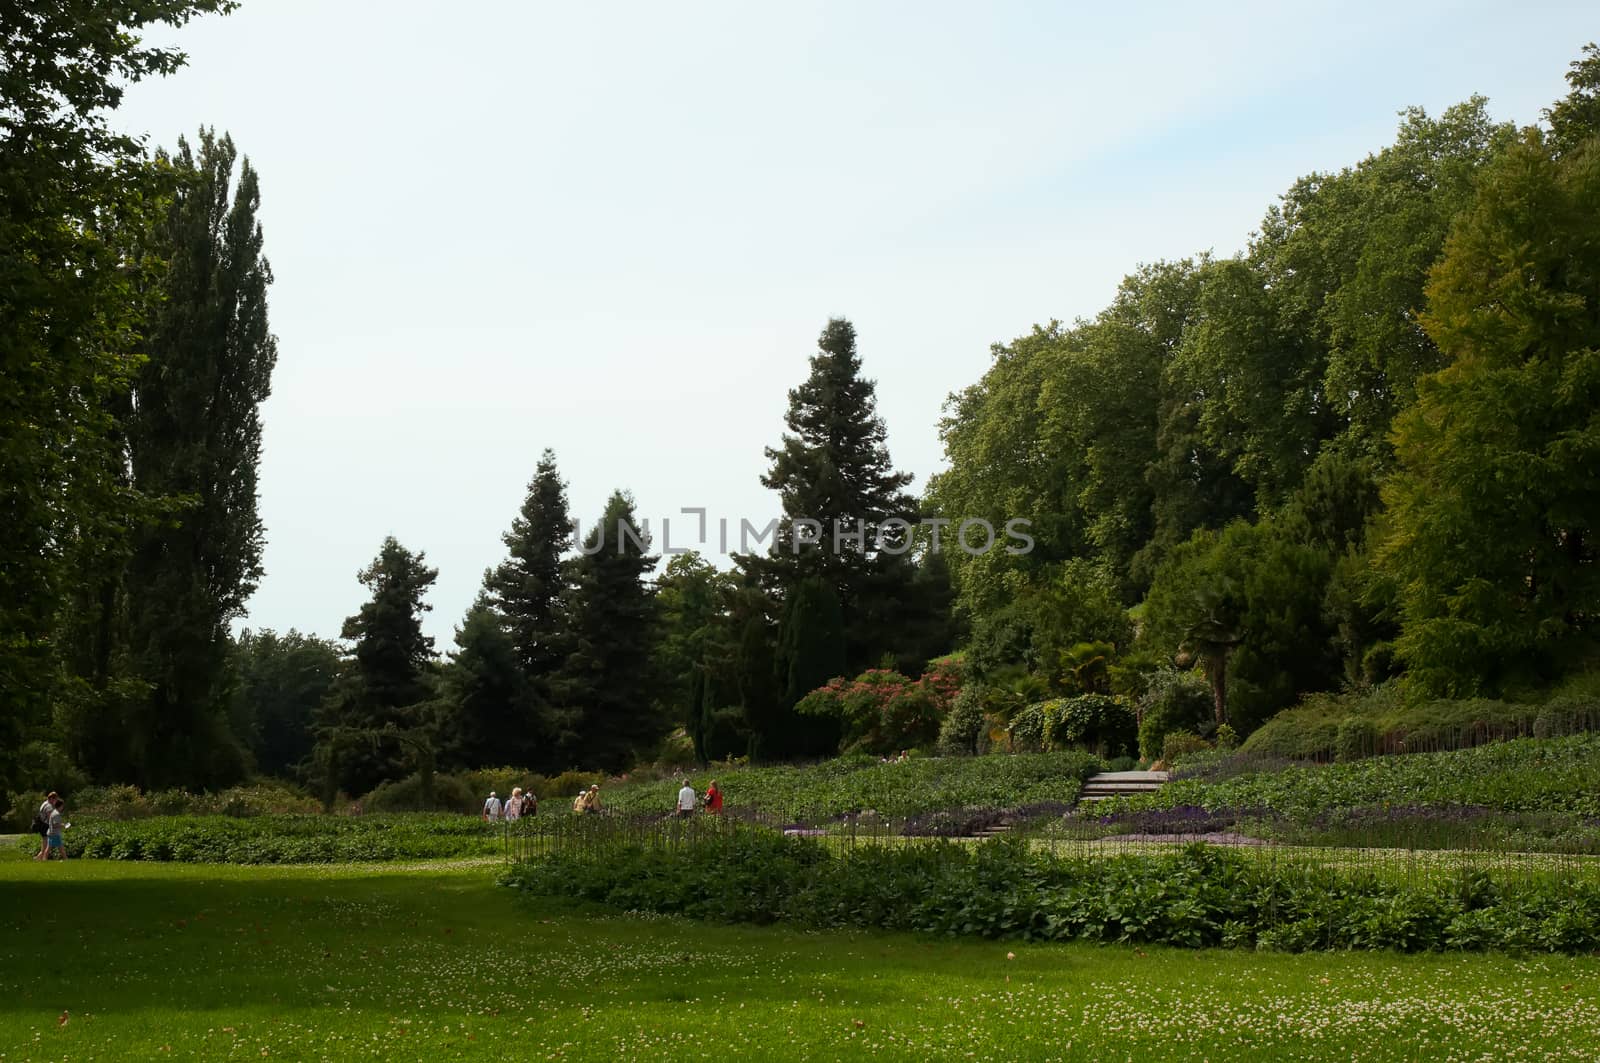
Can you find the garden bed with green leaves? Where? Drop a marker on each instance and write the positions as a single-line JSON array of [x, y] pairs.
[[282, 839], [1199, 896]]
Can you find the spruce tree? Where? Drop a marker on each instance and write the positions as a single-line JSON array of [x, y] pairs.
[[487, 693], [529, 588], [608, 677], [833, 468], [385, 688]]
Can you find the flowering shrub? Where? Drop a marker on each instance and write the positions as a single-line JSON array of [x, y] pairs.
[[883, 711]]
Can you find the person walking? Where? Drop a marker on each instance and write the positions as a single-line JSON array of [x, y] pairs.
[[713, 799], [591, 799], [514, 805], [530, 803], [41, 824], [53, 847], [686, 800], [491, 809]]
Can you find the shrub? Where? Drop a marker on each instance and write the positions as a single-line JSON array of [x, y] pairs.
[[1196, 897], [1180, 744], [1095, 722], [1356, 737], [1227, 738], [1172, 701], [962, 729], [880, 711], [451, 793]]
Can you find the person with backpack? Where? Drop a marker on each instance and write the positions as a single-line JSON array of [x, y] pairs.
[[41, 824]]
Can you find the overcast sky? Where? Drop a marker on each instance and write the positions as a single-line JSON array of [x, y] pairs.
[[616, 229]]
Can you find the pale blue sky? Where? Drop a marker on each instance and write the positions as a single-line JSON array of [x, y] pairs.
[[616, 229]]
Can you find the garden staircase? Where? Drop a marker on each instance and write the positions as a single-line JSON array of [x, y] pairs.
[[1110, 784]]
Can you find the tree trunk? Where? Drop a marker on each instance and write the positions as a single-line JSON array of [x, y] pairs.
[[1217, 672]]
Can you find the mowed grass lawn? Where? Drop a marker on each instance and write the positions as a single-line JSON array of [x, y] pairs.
[[117, 961]]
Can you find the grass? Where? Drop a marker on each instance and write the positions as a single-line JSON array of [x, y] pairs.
[[432, 961]]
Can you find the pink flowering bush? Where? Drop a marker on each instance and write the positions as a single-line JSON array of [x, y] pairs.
[[883, 711]]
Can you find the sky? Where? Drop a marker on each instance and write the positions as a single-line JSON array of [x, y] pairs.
[[616, 229]]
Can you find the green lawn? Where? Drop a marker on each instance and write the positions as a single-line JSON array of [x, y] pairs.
[[433, 961]]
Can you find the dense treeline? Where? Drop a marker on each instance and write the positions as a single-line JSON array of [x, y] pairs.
[[1360, 450]]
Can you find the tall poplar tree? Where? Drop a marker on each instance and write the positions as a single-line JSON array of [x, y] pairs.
[[67, 343], [194, 435]]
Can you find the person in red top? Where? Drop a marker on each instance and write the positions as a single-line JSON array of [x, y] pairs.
[[713, 798]]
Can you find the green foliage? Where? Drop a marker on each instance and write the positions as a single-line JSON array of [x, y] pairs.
[[833, 468], [1526, 775], [528, 593], [853, 784], [278, 839], [609, 675], [1097, 723], [963, 732], [1491, 535], [1196, 898], [1389, 724], [492, 715], [282, 680], [1173, 701], [375, 719], [74, 279], [1178, 746]]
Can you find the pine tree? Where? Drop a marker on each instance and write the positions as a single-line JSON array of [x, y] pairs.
[[283, 680], [382, 695], [608, 676]]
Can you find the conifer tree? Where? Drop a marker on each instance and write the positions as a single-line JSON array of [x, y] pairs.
[[833, 468], [485, 687], [608, 677], [529, 588], [385, 690]]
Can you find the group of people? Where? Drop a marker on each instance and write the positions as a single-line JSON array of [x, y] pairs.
[[689, 800], [520, 803], [524, 803], [48, 823]]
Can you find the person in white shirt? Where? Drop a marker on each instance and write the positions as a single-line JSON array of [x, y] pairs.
[[686, 799], [491, 809]]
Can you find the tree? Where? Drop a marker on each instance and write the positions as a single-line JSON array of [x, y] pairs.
[[833, 468], [194, 435], [608, 677], [68, 346], [492, 720], [695, 645], [1491, 533], [385, 693], [529, 588], [282, 681], [1576, 118]]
